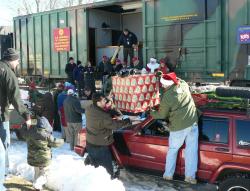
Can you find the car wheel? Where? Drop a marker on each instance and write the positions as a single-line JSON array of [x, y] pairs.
[[19, 135], [242, 92], [235, 184]]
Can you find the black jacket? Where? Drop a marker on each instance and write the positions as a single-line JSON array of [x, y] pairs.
[[10, 93], [127, 40], [72, 109], [69, 71]]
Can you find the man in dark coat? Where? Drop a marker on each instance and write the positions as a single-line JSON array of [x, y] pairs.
[[57, 122], [100, 126], [78, 75], [73, 114], [9, 94], [89, 76], [129, 41], [100, 67], [69, 70]]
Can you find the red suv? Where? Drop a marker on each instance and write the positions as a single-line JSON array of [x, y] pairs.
[[224, 148]]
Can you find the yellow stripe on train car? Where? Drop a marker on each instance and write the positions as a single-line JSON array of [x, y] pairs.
[[218, 74]]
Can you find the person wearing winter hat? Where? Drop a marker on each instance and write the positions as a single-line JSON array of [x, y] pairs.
[[9, 94], [136, 63], [73, 114], [118, 65], [39, 148], [69, 68], [152, 66], [177, 106]]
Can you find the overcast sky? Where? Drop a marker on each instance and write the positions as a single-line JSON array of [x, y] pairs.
[[6, 13]]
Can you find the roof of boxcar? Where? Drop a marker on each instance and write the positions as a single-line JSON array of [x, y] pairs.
[[89, 5]]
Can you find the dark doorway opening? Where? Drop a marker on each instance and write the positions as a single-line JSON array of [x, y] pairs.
[[92, 50]]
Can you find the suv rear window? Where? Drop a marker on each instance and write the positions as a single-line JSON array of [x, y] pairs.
[[243, 133], [213, 129]]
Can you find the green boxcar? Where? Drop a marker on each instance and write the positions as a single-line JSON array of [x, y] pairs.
[[199, 36]]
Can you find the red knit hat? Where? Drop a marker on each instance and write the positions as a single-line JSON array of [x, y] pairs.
[[169, 77], [118, 61], [32, 85], [134, 59], [162, 61]]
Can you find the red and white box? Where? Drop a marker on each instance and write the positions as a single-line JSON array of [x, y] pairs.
[[136, 93]]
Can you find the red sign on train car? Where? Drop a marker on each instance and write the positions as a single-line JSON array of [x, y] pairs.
[[61, 39]]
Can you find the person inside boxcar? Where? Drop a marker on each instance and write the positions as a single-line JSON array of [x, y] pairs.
[[69, 69], [129, 41]]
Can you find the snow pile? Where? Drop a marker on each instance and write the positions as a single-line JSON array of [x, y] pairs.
[[24, 94], [67, 171]]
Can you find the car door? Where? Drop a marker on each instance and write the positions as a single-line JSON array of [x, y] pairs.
[[215, 145], [149, 147], [241, 141]]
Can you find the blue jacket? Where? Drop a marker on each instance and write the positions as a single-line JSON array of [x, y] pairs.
[[78, 73], [60, 99]]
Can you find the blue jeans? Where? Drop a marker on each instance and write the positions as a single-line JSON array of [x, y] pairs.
[[176, 140], [4, 144]]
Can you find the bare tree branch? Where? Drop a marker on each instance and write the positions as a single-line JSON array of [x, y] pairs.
[[37, 5]]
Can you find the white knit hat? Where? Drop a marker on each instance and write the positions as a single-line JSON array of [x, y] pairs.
[[70, 92], [153, 60]]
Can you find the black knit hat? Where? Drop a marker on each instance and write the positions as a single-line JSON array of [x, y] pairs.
[[10, 54]]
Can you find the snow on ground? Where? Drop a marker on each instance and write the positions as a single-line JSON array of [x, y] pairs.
[[67, 171]]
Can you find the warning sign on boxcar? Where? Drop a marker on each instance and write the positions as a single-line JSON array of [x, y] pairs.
[[61, 39]]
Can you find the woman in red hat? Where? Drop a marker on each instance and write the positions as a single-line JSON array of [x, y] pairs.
[[163, 68]]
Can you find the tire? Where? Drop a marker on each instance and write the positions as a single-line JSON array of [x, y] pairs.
[[234, 183], [19, 135], [241, 92]]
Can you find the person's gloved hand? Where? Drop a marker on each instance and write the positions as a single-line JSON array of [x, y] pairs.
[[27, 118]]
